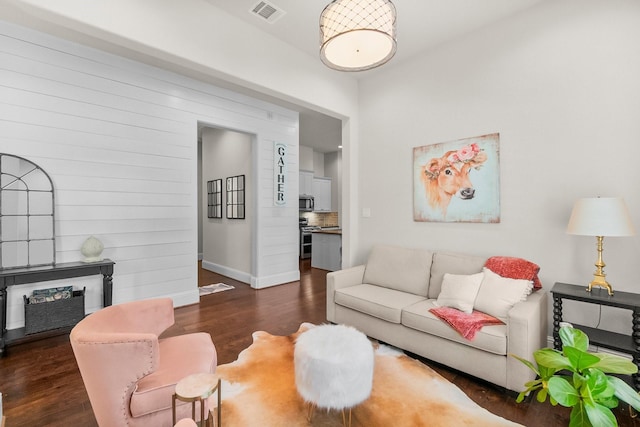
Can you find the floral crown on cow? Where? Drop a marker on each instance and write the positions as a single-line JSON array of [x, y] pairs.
[[471, 155], [464, 154]]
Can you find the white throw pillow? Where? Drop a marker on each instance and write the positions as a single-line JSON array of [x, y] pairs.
[[459, 291], [497, 294]]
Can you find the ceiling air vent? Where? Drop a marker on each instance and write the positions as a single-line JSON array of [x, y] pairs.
[[267, 11]]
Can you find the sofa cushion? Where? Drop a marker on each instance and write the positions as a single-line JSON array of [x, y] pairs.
[[459, 291], [377, 301], [490, 338], [453, 263], [497, 294], [398, 268]]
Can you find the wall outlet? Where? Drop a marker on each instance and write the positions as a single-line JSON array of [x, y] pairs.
[[366, 212]]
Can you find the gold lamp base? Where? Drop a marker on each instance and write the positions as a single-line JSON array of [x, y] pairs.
[[599, 276], [599, 281]]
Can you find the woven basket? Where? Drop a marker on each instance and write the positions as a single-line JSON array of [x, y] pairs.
[[53, 315]]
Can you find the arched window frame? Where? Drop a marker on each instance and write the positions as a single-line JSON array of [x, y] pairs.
[[27, 225]]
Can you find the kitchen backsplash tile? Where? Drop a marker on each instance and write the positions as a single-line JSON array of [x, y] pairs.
[[321, 219]]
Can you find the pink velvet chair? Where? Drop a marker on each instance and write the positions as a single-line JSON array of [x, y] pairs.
[[129, 373]]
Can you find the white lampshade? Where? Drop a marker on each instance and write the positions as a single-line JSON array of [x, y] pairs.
[[357, 35], [600, 216]]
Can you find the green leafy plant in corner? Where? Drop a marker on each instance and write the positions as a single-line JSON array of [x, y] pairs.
[[576, 378]]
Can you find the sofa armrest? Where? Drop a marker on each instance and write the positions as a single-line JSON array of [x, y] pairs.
[[526, 333], [341, 279]]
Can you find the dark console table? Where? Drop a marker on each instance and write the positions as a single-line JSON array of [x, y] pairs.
[[629, 344], [67, 270]]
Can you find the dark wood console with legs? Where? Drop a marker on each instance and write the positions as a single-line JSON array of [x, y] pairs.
[[22, 276], [629, 344]]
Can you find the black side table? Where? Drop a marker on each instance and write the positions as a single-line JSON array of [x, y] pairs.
[[21, 276], [629, 344]]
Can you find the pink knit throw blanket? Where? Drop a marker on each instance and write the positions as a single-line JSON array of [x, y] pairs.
[[466, 324]]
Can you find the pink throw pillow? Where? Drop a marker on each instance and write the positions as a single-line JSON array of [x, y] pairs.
[[515, 268]]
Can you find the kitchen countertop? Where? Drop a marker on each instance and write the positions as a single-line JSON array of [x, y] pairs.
[[329, 231]]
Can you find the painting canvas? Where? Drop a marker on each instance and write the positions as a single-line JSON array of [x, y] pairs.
[[457, 181]]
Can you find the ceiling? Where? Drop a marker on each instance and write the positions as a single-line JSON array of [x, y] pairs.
[[421, 25]]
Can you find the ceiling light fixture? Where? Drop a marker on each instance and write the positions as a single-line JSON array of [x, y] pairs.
[[357, 35]]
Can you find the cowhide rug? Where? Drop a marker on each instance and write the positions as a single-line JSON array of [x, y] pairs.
[[259, 389]]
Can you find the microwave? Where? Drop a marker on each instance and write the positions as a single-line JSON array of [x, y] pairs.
[[306, 203]]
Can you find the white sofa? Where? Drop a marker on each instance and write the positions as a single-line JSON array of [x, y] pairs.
[[389, 299]]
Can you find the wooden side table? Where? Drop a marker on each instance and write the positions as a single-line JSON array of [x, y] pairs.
[[197, 388], [629, 344]]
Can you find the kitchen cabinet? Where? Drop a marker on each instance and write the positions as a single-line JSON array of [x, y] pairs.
[[322, 194], [306, 182], [326, 250]]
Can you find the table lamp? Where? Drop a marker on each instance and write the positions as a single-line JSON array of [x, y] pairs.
[[600, 217]]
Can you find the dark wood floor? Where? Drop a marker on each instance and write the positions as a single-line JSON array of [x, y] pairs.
[[41, 384]]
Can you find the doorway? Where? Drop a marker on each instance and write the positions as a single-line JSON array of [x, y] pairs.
[[225, 242]]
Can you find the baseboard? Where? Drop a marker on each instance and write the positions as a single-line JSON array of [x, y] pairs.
[[253, 281], [192, 296], [274, 280], [238, 275]]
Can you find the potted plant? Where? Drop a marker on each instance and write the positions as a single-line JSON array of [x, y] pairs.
[[576, 378]]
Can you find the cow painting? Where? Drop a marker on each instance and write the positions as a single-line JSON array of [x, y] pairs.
[[457, 181], [448, 176]]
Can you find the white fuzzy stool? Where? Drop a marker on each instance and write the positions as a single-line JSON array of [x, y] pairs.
[[333, 367]]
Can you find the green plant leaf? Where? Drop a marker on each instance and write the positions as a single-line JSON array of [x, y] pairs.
[[563, 392], [613, 364], [526, 362], [580, 360], [578, 380], [610, 403], [542, 395], [598, 385], [545, 373], [534, 384], [551, 359], [579, 417], [600, 415], [574, 338], [624, 392]]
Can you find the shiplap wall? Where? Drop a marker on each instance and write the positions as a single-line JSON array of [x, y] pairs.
[[119, 140]]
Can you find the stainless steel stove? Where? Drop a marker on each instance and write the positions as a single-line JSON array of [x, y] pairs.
[[305, 237]]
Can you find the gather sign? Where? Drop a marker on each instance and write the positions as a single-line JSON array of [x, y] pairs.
[[279, 173]]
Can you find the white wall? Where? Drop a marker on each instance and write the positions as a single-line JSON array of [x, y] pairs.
[[318, 164], [227, 242], [560, 83], [306, 158], [119, 139]]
